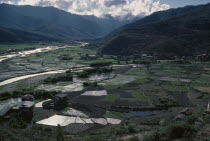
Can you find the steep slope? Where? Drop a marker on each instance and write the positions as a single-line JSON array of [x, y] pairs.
[[49, 21], [182, 35], [155, 17]]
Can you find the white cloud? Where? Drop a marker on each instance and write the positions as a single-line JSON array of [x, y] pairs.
[[8, 2], [101, 8]]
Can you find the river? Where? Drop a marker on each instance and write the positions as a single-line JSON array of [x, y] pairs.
[[25, 53]]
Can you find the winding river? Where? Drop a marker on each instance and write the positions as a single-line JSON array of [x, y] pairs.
[[25, 53], [38, 50]]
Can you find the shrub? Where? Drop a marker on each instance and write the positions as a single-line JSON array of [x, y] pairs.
[[17, 123], [119, 130], [207, 119], [131, 128], [178, 130], [38, 94], [87, 73], [156, 136], [90, 84], [59, 133], [5, 96], [92, 138], [135, 138], [59, 78], [100, 64], [192, 119]]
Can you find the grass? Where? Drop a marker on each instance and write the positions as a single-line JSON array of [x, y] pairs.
[[136, 96], [142, 81], [177, 89], [113, 86], [203, 89], [111, 97], [137, 72], [116, 115]]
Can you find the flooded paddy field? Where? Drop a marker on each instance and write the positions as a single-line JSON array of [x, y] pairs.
[[130, 93]]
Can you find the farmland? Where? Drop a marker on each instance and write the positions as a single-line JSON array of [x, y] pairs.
[[130, 94]]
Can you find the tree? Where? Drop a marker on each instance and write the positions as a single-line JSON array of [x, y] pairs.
[[59, 133]]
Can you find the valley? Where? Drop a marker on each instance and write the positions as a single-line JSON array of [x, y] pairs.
[[134, 93], [123, 70]]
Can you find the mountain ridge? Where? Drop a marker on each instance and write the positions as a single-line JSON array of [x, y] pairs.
[[170, 37], [55, 23]]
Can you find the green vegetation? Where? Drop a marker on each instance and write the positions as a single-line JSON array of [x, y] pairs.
[[111, 97], [18, 47], [59, 133], [136, 96], [135, 138], [177, 89], [113, 86], [17, 122], [92, 138], [112, 114], [172, 131], [90, 84], [38, 94], [58, 78], [87, 73], [100, 64]]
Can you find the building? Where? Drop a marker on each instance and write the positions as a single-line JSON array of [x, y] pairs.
[[28, 98], [25, 109], [60, 100]]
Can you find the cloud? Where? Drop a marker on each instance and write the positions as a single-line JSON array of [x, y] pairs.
[[7, 1], [101, 8]]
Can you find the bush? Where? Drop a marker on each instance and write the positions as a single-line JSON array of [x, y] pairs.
[[92, 138], [207, 119], [100, 64], [135, 138], [59, 133], [17, 123], [5, 96], [120, 131], [87, 73], [156, 136], [131, 128], [38, 94], [59, 78], [90, 84], [179, 130], [192, 119]]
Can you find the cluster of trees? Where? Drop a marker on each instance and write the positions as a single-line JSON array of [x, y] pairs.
[[38, 94], [87, 73], [65, 57], [144, 62], [90, 84], [100, 64], [60, 77]]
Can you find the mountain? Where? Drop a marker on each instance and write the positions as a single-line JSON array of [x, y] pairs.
[[155, 17], [182, 35], [54, 23]]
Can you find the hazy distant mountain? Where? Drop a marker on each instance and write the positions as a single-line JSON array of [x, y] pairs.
[[54, 23], [182, 31]]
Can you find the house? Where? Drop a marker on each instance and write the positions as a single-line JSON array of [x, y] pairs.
[[181, 117], [60, 100], [208, 109], [147, 57], [25, 109], [28, 98], [186, 111], [144, 56]]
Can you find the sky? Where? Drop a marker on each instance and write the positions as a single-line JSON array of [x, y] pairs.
[[116, 8]]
